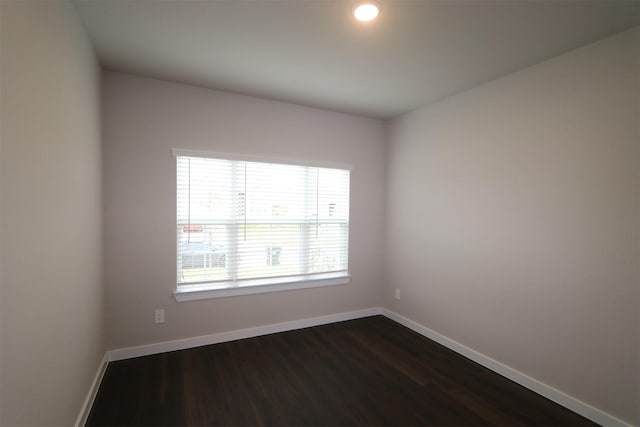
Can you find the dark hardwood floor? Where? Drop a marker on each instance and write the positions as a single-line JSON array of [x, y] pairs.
[[363, 372]]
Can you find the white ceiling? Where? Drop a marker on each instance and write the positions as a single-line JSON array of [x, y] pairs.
[[314, 53]]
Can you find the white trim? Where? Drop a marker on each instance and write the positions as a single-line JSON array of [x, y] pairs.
[[93, 391], [259, 159], [208, 290], [181, 344], [541, 388]]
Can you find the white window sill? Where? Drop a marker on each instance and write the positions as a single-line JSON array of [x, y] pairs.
[[247, 287]]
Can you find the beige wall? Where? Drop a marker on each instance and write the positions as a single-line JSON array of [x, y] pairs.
[[513, 221], [51, 217], [143, 120]]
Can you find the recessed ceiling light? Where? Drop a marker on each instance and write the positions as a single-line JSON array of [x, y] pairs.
[[366, 10]]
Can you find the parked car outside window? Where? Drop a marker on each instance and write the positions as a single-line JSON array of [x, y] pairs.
[[202, 255]]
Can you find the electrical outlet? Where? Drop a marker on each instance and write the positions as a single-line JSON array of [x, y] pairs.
[[159, 315], [397, 293]]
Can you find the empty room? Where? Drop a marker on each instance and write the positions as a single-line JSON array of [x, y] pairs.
[[320, 212]]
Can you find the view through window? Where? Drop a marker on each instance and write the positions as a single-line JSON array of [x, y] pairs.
[[239, 220]]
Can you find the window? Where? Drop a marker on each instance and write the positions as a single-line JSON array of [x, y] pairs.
[[245, 224]]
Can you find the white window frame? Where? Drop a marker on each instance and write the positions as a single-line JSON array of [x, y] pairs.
[[199, 291]]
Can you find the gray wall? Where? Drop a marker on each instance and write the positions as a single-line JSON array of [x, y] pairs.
[[143, 120], [513, 219], [51, 215]]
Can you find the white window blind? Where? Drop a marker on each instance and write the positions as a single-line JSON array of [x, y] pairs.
[[239, 220]]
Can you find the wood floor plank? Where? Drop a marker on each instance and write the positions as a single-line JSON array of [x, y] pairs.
[[365, 372]]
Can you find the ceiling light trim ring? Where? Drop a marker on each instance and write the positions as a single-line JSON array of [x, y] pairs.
[[366, 11]]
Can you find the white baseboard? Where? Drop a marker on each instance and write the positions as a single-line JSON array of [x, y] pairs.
[[93, 391], [181, 344], [543, 389]]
